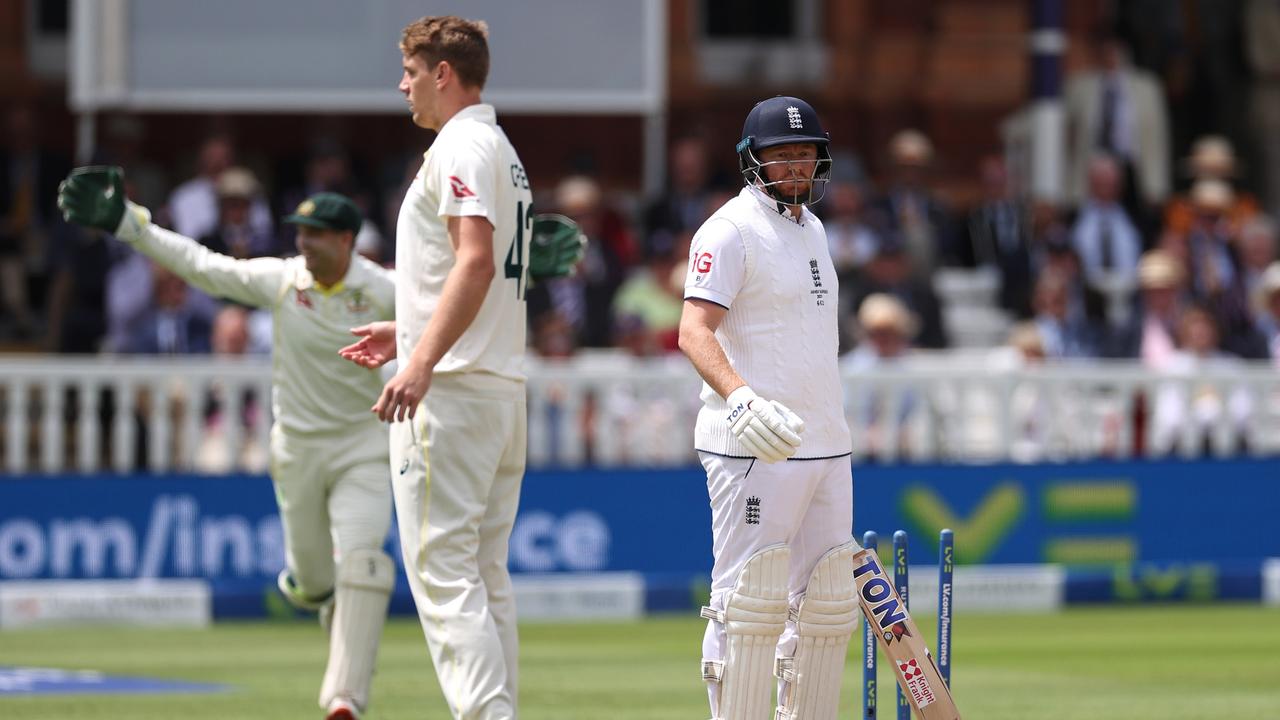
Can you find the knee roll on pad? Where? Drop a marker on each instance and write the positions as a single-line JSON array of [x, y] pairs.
[[367, 569], [754, 615], [825, 618], [365, 581]]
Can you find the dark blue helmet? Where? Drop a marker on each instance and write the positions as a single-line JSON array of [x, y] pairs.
[[783, 120]]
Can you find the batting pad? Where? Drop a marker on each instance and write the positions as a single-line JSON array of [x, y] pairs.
[[825, 618], [754, 616], [365, 580]]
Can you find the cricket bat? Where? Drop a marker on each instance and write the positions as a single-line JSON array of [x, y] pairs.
[[901, 640]]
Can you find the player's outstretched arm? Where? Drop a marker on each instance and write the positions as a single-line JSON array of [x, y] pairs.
[[94, 197], [376, 346]]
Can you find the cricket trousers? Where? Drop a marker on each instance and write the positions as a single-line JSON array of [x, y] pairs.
[[456, 473], [334, 497], [807, 504]]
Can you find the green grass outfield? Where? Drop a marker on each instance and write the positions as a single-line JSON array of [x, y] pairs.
[[1211, 662]]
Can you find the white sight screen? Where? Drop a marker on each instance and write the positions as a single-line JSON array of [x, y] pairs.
[[547, 56]]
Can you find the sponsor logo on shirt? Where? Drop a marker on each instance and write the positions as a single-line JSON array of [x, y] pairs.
[[300, 296], [460, 189], [702, 264]]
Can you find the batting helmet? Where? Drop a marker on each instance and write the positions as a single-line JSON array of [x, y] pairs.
[[783, 120]]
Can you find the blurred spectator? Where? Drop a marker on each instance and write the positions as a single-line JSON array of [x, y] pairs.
[[886, 329], [1117, 109], [1151, 335], [553, 336], [1257, 248], [1048, 229], [1029, 408], [1211, 158], [685, 202], [890, 271], [909, 207], [234, 235], [882, 414], [852, 234], [128, 292], [213, 455], [1107, 240], [123, 142], [1268, 294], [1061, 334], [1262, 50], [77, 319], [1024, 339], [29, 177], [172, 325], [584, 298], [998, 235], [852, 237], [632, 334], [1216, 277], [369, 242], [1191, 405], [193, 205], [654, 294]]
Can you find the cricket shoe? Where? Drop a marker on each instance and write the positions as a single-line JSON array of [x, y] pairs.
[[341, 708]]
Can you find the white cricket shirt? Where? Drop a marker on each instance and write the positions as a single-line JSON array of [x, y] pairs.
[[471, 169], [313, 389], [780, 333]]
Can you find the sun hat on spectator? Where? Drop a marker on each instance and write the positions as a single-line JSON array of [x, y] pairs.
[[881, 311], [911, 147], [237, 182], [1211, 157], [1158, 269], [1211, 195]]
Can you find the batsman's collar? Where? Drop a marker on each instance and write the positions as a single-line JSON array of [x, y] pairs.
[[328, 211], [778, 208]]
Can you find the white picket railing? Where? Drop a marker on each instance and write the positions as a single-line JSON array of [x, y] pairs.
[[92, 414]]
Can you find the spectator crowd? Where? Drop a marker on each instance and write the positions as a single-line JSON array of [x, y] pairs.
[[1164, 261]]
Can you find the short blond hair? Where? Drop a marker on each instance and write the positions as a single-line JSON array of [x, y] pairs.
[[462, 43]]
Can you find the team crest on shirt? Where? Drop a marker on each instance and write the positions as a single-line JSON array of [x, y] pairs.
[[357, 303], [818, 292], [753, 511], [460, 189], [300, 296]]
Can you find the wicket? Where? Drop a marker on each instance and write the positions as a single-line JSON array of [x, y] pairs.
[[946, 568]]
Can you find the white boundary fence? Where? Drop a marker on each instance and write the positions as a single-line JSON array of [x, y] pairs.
[[90, 414]]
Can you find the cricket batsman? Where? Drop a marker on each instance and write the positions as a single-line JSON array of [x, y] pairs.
[[760, 325], [329, 457]]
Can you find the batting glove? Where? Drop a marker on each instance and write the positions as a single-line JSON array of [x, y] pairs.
[[768, 430]]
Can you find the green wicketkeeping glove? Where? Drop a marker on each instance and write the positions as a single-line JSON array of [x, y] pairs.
[[93, 196], [558, 244]]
